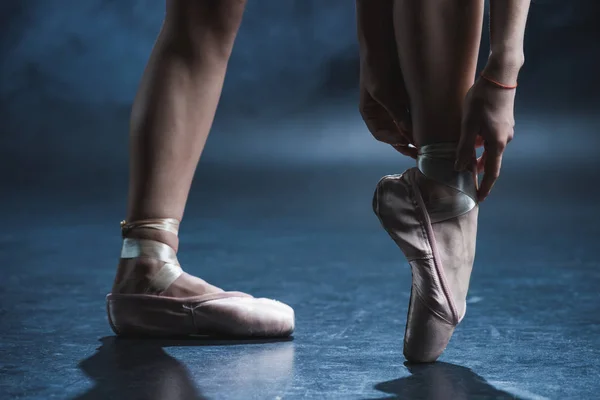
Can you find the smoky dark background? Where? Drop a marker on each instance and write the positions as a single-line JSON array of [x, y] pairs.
[[70, 69]]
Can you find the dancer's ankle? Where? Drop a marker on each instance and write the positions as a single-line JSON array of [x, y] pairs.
[[165, 237]]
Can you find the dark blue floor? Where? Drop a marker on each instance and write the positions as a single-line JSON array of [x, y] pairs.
[[306, 236]]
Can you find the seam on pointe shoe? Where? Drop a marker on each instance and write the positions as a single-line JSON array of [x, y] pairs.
[[438, 269], [413, 196], [426, 304], [434, 312], [197, 306], [390, 234], [416, 258], [190, 310], [430, 239]]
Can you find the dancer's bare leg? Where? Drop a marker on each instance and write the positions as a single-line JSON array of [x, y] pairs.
[[431, 211], [438, 44], [171, 118]]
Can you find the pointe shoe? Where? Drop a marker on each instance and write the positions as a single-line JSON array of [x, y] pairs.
[[223, 313], [431, 213]]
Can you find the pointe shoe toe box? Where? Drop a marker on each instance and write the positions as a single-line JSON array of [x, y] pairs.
[[225, 314], [427, 333], [245, 316]]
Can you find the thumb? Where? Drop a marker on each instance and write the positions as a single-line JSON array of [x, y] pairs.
[[466, 144]]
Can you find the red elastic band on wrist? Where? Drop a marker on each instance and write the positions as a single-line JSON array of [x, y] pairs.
[[500, 85]]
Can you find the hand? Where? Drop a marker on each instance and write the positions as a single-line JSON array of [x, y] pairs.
[[382, 125], [383, 96], [488, 119]]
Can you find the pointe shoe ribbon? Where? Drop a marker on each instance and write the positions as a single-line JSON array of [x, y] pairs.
[[134, 248], [431, 213], [215, 314]]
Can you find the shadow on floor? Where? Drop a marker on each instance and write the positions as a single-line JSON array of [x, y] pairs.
[[141, 368], [441, 381]]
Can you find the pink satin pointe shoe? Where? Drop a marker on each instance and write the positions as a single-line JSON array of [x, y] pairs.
[[431, 213], [154, 311]]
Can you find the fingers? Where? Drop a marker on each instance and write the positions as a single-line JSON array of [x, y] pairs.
[[407, 150], [481, 163], [383, 127], [466, 145], [379, 121], [491, 168]]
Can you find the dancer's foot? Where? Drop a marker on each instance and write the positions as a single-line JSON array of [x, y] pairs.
[[431, 213], [134, 275], [152, 295]]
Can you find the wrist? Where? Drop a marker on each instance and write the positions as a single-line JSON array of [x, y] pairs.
[[504, 66]]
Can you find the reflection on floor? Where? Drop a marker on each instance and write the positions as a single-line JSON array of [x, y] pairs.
[[308, 237], [130, 369]]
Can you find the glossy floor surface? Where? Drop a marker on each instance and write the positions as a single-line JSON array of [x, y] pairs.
[[306, 236]]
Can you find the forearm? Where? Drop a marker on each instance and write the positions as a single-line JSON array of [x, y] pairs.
[[507, 31]]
